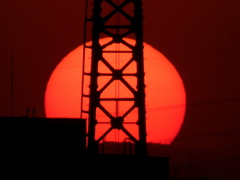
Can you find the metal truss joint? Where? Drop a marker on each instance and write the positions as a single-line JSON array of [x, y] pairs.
[[117, 122], [117, 74], [117, 38]]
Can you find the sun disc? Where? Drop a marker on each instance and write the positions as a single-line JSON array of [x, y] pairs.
[[165, 93]]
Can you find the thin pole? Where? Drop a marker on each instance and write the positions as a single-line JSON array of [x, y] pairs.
[[84, 54], [11, 83], [190, 163]]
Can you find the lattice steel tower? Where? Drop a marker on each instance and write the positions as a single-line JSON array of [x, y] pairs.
[[118, 31]]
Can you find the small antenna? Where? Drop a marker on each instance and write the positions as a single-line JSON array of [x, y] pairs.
[[33, 113], [27, 112], [11, 82]]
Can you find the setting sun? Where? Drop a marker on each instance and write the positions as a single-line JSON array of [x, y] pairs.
[[165, 94]]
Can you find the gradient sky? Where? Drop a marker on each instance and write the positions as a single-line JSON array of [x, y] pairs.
[[200, 38]]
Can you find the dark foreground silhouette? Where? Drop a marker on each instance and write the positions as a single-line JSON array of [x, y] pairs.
[[57, 147]]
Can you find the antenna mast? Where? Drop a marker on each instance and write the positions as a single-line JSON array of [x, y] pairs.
[[101, 24]]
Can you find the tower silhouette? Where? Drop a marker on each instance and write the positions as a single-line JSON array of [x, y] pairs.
[[108, 23]]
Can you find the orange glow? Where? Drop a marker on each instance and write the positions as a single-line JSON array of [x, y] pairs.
[[165, 94]]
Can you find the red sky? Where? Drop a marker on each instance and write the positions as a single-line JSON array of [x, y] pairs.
[[200, 38]]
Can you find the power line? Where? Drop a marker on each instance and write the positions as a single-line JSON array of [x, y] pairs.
[[223, 133], [218, 161], [191, 104], [199, 103]]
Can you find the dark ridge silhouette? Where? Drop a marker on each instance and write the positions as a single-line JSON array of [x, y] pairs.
[[40, 137], [197, 162], [56, 145]]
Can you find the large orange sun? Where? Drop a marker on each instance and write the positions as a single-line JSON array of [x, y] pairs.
[[165, 93]]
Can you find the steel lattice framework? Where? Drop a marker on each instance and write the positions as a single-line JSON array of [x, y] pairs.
[[117, 33]]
